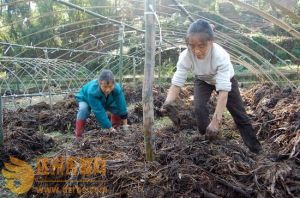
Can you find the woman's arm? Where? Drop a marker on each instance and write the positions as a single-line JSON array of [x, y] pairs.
[[172, 94], [213, 128], [221, 105]]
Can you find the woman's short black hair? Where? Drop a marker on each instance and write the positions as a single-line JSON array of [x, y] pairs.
[[107, 76], [201, 26]]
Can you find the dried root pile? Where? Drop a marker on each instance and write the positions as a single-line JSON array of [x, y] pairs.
[[186, 164]]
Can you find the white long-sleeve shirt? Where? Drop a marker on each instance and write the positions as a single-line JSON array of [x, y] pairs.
[[215, 69]]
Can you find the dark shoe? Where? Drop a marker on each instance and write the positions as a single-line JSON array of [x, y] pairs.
[[255, 149], [202, 132]]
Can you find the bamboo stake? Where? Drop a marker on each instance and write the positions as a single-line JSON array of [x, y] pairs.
[[148, 113]]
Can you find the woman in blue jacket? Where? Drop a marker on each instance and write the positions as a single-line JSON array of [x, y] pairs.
[[101, 95]]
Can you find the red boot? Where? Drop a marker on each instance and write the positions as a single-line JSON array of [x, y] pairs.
[[80, 124], [115, 120]]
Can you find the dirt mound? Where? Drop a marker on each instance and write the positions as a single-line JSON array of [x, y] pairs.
[[133, 94], [186, 166], [25, 144], [24, 129], [40, 117], [276, 113], [181, 112], [182, 115]]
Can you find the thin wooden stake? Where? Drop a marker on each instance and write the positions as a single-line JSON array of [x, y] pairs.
[[148, 113]]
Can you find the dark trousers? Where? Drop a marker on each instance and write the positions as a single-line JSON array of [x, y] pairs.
[[202, 93]]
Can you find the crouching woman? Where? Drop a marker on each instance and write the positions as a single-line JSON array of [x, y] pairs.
[[100, 96]]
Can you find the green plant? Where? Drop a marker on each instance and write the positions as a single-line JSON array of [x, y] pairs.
[[41, 129], [69, 125]]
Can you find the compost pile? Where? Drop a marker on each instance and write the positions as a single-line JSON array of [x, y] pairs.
[[41, 117], [25, 144], [181, 112], [276, 113], [25, 128], [186, 165]]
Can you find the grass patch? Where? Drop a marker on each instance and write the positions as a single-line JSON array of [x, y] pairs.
[[162, 122]]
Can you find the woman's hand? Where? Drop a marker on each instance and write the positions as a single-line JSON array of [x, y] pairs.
[[162, 109], [212, 130], [125, 127], [112, 130]]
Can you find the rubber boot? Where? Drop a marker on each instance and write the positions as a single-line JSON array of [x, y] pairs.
[[80, 124], [115, 120]]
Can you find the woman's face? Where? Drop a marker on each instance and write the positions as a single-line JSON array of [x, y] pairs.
[[106, 87], [199, 44]]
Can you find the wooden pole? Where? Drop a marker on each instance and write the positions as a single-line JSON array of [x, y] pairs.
[[159, 69], [49, 79], [148, 113], [134, 72], [121, 40], [159, 56]]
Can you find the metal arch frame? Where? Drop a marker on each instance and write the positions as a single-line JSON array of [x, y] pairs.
[[268, 17], [237, 46], [28, 62], [245, 27], [96, 6], [225, 36], [237, 32], [66, 32]]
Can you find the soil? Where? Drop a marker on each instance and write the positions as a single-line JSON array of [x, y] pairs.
[[186, 164]]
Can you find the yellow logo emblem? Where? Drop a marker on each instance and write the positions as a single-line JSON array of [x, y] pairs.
[[19, 176]]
